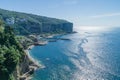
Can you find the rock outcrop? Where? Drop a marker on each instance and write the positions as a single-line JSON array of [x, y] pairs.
[[25, 69]]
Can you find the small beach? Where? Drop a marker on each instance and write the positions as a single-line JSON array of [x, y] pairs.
[[36, 62], [33, 67]]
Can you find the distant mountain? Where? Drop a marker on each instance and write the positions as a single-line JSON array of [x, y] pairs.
[[24, 23]]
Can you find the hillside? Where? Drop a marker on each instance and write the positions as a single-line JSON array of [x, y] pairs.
[[24, 23], [10, 53], [14, 62]]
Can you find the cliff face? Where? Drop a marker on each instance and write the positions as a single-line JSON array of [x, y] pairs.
[[66, 27], [25, 69], [21, 69], [28, 23]]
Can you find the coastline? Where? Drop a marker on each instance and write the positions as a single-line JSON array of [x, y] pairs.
[[33, 66], [36, 62]]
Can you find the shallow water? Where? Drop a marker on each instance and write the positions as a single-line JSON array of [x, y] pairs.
[[92, 54]]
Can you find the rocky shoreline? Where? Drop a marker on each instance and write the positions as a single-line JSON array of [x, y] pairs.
[[33, 66]]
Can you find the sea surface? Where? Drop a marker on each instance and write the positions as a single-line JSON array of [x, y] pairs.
[[91, 54]]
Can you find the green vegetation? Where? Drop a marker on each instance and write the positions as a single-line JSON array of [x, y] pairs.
[[25, 41], [25, 24], [11, 53]]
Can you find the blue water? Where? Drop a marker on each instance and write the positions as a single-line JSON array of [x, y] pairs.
[[92, 54]]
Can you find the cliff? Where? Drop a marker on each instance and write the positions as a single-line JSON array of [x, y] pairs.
[[25, 69], [66, 27], [24, 23], [15, 63]]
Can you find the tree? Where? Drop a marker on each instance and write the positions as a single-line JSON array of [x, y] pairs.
[[10, 53]]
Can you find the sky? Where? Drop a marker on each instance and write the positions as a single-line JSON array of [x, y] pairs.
[[80, 12]]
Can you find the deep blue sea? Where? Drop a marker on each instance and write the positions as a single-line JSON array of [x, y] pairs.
[[92, 54]]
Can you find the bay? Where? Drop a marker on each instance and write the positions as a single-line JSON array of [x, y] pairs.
[[91, 54]]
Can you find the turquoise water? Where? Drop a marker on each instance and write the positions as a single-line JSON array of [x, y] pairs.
[[92, 54]]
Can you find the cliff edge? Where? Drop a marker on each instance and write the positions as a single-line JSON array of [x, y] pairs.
[[25, 24]]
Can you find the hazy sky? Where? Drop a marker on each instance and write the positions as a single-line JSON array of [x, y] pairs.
[[81, 12]]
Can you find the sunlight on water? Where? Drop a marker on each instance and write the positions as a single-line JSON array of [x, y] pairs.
[[88, 28], [92, 54], [92, 28]]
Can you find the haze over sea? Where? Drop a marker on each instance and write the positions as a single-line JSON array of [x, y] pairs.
[[92, 54]]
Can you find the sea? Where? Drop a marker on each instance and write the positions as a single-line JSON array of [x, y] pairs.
[[93, 53]]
